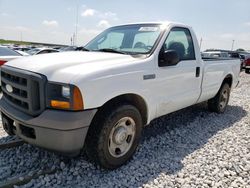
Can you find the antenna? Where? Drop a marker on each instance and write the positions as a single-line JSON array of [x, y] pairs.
[[200, 43], [233, 45]]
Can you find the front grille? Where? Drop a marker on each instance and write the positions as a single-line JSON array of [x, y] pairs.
[[23, 89]]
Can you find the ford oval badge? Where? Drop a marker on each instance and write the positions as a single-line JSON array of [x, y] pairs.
[[9, 88]]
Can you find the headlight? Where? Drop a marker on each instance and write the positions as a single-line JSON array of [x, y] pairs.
[[66, 91], [63, 96]]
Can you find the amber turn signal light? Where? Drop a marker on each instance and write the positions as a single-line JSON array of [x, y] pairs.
[[77, 99], [60, 104]]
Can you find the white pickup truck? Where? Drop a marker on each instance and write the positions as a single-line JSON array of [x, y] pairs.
[[101, 97]]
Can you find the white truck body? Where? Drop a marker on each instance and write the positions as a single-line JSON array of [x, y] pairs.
[[103, 76]]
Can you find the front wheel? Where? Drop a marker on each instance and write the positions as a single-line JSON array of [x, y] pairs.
[[219, 103], [114, 136]]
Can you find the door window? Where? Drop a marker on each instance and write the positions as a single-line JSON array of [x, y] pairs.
[[180, 40]]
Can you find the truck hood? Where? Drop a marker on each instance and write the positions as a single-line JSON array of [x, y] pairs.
[[63, 66]]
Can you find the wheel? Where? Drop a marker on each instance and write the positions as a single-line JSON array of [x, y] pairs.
[[219, 103], [114, 136], [247, 71], [8, 125]]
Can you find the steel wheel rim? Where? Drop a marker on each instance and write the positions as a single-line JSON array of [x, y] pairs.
[[121, 137], [223, 99]]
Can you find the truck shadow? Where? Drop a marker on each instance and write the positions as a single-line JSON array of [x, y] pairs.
[[165, 144]]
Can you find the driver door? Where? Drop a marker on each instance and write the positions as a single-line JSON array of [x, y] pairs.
[[179, 84]]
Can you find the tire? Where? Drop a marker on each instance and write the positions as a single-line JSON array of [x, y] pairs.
[[247, 71], [8, 125], [114, 136], [219, 103]]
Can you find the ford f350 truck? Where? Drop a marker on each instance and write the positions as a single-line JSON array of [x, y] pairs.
[[101, 97]]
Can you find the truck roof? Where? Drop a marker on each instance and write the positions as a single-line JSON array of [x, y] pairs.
[[166, 23]]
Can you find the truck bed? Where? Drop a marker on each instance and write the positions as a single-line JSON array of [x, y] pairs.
[[216, 58]]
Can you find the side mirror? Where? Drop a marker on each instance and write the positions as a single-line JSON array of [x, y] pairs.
[[168, 58]]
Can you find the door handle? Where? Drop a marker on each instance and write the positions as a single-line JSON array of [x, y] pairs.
[[198, 70]]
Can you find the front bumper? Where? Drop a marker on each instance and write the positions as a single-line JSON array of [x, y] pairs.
[[56, 130]]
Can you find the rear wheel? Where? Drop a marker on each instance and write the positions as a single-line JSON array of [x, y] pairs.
[[114, 136], [219, 103]]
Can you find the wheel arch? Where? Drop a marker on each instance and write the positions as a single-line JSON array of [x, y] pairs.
[[131, 98], [228, 79]]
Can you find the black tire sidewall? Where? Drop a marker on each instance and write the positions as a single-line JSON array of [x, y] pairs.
[[109, 122], [224, 86]]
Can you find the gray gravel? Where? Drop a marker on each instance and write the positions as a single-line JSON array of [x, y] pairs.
[[189, 148]]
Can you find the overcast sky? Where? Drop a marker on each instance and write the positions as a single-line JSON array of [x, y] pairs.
[[217, 22]]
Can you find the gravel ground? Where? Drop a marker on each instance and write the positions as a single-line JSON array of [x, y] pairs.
[[189, 148]]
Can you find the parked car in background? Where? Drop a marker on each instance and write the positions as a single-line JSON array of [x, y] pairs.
[[227, 54], [215, 54], [24, 49], [245, 58], [57, 47], [37, 51], [238, 55], [68, 48], [7, 54], [22, 53], [247, 65]]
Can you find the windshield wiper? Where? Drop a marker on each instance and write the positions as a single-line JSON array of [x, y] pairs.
[[81, 49], [110, 50]]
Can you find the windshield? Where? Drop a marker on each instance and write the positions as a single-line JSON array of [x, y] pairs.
[[129, 39]]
